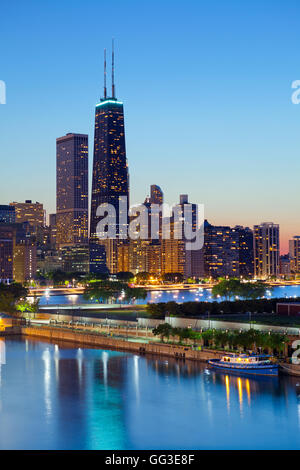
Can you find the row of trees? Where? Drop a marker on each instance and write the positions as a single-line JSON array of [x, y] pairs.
[[233, 288], [198, 309], [114, 291], [232, 340], [60, 277]]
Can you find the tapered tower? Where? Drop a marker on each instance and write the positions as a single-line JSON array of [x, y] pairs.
[[110, 178]]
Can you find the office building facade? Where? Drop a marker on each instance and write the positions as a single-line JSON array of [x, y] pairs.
[[72, 190]]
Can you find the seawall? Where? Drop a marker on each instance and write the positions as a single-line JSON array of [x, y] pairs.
[[106, 342]]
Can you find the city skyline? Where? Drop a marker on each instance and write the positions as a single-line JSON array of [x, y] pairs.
[[240, 121]]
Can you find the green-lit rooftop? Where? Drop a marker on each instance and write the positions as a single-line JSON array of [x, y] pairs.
[[108, 101]]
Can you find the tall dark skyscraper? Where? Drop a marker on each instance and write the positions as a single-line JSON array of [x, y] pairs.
[[110, 174], [72, 190]]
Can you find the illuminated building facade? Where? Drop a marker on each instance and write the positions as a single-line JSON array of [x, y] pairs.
[[110, 177], [285, 265], [24, 262], [221, 251], [17, 253], [266, 250], [246, 251], [7, 214], [294, 252], [75, 258], [175, 257], [7, 243], [53, 230], [72, 190], [31, 212]]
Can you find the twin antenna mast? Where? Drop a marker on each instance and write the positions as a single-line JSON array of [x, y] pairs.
[[113, 90]]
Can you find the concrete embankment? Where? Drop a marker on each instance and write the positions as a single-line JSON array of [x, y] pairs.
[[106, 342]]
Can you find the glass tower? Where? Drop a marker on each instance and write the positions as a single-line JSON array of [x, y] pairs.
[[72, 190], [110, 178]]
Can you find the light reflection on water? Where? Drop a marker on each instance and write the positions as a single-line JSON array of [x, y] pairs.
[[56, 396], [166, 296]]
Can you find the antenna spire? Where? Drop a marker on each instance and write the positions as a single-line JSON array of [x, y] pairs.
[[113, 70], [105, 89]]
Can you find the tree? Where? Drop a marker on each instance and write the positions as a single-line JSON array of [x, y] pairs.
[[8, 303], [94, 277], [164, 331], [15, 289], [103, 291], [253, 290], [142, 277], [134, 293], [172, 278], [25, 306], [229, 288], [226, 288], [125, 276], [208, 336], [58, 277]]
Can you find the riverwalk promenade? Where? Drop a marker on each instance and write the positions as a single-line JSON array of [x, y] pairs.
[[113, 339]]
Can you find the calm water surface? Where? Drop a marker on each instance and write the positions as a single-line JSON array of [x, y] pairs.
[[166, 296], [63, 397]]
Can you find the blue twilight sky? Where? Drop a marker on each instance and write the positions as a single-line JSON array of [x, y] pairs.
[[206, 87]]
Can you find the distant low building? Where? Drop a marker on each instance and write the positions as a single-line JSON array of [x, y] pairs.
[[28, 211], [75, 258], [285, 266], [17, 253]]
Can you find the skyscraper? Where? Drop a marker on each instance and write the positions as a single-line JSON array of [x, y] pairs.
[[72, 190], [246, 253], [294, 252], [266, 250], [221, 251], [110, 174]]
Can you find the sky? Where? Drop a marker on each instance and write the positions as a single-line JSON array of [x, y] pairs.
[[206, 87]]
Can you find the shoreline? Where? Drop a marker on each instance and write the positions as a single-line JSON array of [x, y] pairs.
[[101, 342], [64, 291], [106, 342]]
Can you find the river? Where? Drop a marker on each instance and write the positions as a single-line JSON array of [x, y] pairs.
[[58, 396]]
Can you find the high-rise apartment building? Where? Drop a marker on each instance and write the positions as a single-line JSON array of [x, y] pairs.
[[266, 250], [221, 251], [72, 190], [294, 252], [24, 261]]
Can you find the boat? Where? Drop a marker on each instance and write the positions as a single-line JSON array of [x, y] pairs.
[[289, 369], [259, 364]]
